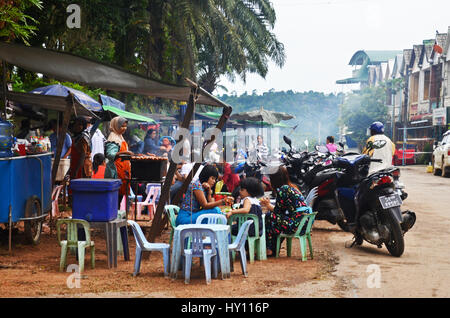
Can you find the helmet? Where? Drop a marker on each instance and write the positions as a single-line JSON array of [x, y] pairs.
[[377, 128]]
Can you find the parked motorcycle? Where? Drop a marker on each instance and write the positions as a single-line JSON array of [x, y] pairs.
[[367, 206], [310, 170], [371, 204]]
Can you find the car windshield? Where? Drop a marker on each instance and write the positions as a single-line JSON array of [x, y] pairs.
[[445, 139]]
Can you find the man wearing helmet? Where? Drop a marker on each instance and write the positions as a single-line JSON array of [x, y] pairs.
[[379, 146]]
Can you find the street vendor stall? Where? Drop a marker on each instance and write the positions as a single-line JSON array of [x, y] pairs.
[[26, 178], [64, 66]]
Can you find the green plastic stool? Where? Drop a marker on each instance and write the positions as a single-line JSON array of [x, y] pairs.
[[256, 244], [302, 238], [171, 211], [72, 241]]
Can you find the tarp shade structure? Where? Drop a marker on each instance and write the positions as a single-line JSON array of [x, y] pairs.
[[212, 114], [61, 90], [69, 67], [264, 124], [262, 115], [57, 103], [110, 101], [128, 115]]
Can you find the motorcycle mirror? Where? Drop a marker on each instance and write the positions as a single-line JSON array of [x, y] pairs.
[[340, 143], [322, 149], [288, 141]]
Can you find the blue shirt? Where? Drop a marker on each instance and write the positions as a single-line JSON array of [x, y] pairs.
[[186, 203], [151, 146], [66, 145]]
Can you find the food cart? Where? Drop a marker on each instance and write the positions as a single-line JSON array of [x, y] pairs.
[[25, 185], [26, 182]]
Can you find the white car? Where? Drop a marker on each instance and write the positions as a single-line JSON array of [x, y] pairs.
[[441, 156]]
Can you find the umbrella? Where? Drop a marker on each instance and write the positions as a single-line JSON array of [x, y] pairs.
[[115, 107], [61, 90], [110, 101], [262, 115]]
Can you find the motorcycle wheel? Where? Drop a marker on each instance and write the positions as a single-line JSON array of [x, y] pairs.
[[396, 243]]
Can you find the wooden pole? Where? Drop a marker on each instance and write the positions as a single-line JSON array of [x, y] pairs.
[[225, 115], [157, 224], [61, 139], [4, 88]]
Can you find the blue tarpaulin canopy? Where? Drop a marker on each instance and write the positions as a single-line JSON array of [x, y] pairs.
[[110, 101], [61, 90]]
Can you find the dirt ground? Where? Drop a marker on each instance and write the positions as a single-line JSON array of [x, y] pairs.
[[423, 271], [335, 272], [33, 271]]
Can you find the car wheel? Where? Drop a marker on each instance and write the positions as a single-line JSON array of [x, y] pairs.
[[436, 171], [444, 172]]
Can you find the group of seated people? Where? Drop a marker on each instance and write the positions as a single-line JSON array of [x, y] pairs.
[[198, 199], [282, 217]]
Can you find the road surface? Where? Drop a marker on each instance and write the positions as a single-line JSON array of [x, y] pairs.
[[424, 268]]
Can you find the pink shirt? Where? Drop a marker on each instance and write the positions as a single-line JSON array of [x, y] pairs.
[[331, 147]]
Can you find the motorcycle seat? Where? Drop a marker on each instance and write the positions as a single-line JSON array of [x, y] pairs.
[[322, 176]]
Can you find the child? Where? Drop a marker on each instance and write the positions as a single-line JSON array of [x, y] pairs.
[[250, 189], [99, 166]]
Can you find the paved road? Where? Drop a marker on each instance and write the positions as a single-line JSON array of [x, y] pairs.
[[424, 268]]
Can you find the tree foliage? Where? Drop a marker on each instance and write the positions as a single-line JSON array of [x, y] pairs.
[[165, 39], [309, 108], [14, 23], [362, 108]]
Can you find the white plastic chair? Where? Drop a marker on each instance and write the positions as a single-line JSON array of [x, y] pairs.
[[311, 197], [239, 246], [212, 218], [149, 203], [142, 245], [153, 184], [55, 197], [197, 249]]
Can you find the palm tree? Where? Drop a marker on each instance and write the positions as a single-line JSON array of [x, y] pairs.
[[211, 38]]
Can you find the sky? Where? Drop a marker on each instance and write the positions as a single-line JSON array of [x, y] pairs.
[[321, 36]]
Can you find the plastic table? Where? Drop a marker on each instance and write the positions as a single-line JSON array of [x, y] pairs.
[[222, 232], [111, 228]]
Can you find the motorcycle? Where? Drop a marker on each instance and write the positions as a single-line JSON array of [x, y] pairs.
[[250, 168], [371, 204], [309, 170], [343, 197]]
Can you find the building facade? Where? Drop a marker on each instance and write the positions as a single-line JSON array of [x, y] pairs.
[[420, 109]]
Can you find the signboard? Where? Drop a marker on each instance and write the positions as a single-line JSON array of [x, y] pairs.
[[439, 116]]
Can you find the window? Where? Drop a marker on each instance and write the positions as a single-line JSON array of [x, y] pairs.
[[414, 87], [426, 85]]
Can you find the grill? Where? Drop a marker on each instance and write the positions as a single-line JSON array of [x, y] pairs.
[[146, 168]]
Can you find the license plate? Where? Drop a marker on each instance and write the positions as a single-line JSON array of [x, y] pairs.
[[390, 201]]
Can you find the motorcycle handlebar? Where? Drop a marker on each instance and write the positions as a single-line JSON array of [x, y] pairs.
[[376, 160]]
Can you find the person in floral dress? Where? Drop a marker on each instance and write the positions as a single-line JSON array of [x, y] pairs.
[[283, 217]]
